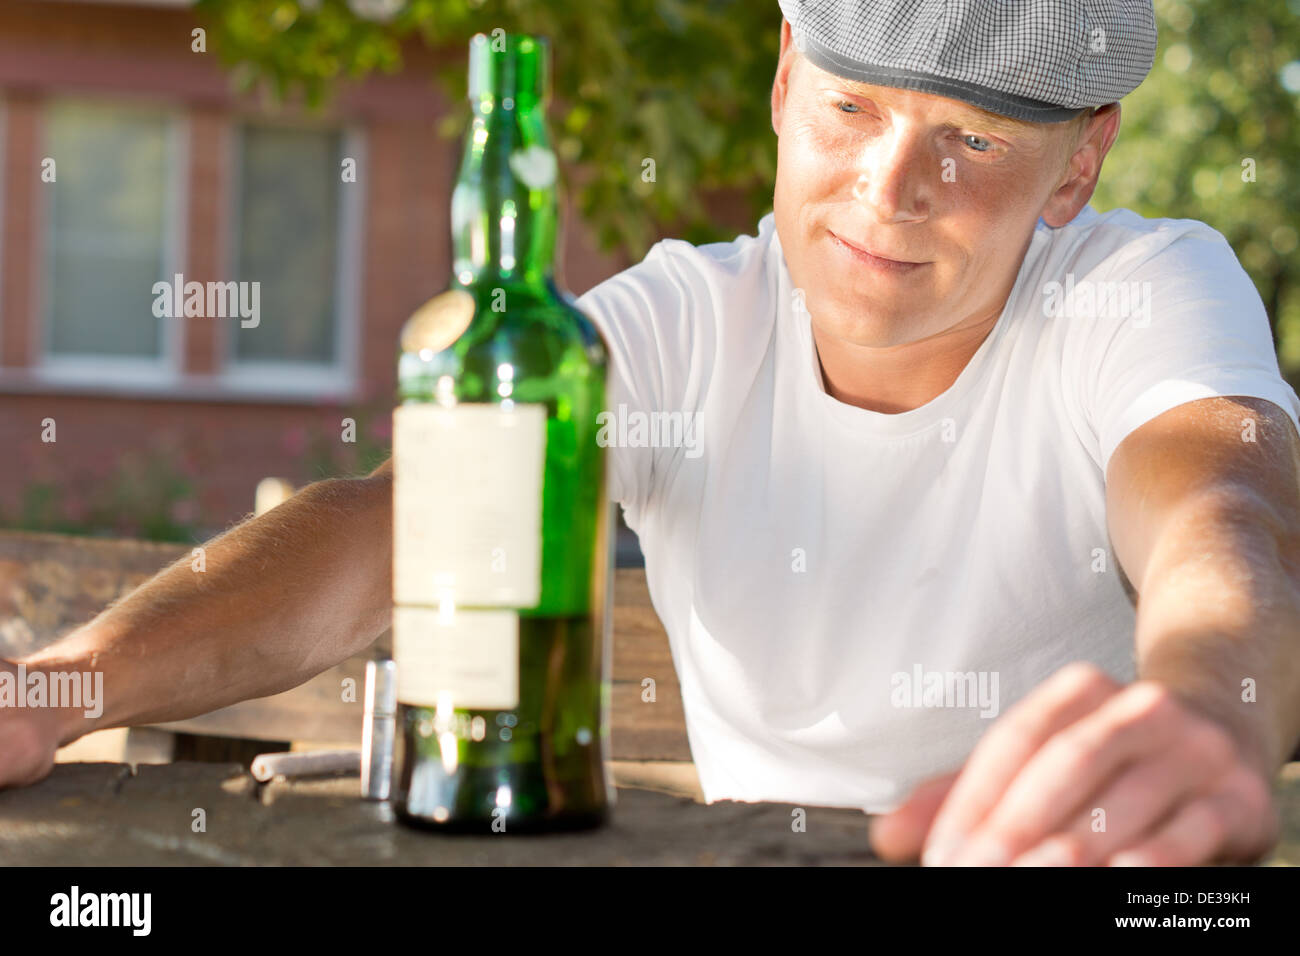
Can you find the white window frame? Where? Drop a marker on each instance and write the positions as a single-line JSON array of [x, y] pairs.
[[114, 370], [339, 378]]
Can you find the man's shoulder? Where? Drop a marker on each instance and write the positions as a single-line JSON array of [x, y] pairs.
[[734, 257], [742, 256], [1122, 239], [676, 273]]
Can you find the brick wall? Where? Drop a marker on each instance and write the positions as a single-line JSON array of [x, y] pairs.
[[227, 443]]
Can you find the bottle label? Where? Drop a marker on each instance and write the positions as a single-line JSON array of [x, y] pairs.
[[467, 504], [457, 659]]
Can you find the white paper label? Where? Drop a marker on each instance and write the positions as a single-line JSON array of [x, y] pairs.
[[462, 659], [467, 504]]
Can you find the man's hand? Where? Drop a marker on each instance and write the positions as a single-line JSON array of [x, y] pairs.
[[1173, 787], [28, 739]]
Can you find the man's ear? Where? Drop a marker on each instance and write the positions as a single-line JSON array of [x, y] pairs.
[[781, 85], [1083, 167]]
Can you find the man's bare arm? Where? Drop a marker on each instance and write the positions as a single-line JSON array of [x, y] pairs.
[[281, 598]]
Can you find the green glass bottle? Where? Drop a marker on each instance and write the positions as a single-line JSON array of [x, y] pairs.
[[502, 565]]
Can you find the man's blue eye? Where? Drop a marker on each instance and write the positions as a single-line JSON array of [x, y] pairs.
[[978, 139], [843, 103]]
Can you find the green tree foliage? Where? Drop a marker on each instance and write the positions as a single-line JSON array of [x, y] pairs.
[[1218, 110], [687, 84]]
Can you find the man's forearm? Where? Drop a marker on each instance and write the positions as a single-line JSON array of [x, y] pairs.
[[280, 598], [1218, 621]]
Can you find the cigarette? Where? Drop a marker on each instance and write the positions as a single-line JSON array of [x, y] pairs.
[[310, 764]]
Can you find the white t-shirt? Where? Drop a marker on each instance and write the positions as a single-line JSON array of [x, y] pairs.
[[823, 571]]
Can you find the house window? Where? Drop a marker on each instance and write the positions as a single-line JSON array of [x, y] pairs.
[[111, 234], [294, 222]]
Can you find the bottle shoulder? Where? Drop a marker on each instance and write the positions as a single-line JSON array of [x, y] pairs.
[[527, 311], [487, 342]]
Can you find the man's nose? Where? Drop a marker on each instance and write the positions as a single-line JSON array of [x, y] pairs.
[[893, 177]]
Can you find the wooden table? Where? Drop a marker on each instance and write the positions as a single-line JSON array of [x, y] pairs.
[[50, 584], [102, 814]]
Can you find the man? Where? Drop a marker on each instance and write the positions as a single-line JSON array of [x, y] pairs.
[[929, 395]]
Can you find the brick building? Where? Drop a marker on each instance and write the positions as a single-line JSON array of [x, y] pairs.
[[125, 157]]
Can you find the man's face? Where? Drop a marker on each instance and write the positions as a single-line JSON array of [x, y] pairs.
[[948, 192]]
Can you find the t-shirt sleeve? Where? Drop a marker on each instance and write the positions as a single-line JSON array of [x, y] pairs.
[[646, 317], [1179, 324]]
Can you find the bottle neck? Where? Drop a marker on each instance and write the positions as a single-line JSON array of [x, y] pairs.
[[504, 207]]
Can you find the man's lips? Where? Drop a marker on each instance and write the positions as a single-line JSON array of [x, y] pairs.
[[876, 260]]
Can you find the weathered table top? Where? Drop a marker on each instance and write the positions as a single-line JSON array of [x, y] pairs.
[[102, 814]]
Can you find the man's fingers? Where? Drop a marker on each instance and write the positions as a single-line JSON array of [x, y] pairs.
[[26, 753], [1136, 804], [898, 835], [1076, 766], [1058, 702], [1235, 823]]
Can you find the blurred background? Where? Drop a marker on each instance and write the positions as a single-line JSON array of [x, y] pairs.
[[139, 140]]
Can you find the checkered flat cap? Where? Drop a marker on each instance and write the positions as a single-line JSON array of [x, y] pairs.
[[1040, 60]]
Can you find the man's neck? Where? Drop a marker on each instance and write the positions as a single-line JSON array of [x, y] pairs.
[[900, 379]]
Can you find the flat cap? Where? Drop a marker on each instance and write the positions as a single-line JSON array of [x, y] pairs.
[[1038, 60]]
